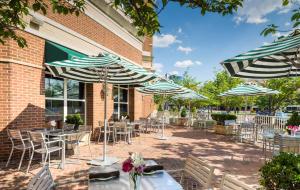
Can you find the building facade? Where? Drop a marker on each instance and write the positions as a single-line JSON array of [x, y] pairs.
[[30, 95]]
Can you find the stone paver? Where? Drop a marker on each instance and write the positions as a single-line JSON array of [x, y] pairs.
[[239, 159]]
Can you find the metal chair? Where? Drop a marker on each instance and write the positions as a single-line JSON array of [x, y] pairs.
[[43, 180], [18, 143], [230, 183], [40, 145], [246, 131], [122, 129]]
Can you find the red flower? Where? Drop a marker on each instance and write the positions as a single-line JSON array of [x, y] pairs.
[[127, 165]]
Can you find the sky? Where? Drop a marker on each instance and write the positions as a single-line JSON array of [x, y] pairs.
[[189, 41]]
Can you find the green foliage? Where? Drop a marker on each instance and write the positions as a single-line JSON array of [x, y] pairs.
[[288, 93], [194, 110], [220, 118], [183, 112], [221, 83], [12, 13], [74, 119], [282, 172], [160, 108], [294, 120]]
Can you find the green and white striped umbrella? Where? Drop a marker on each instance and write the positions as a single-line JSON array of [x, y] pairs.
[[106, 68], [190, 95], [249, 90], [164, 87], [92, 69], [278, 59]]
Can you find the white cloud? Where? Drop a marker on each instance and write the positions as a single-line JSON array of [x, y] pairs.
[[198, 62], [287, 24], [179, 30], [158, 67], [186, 50], [174, 73], [186, 63], [164, 40], [255, 11]]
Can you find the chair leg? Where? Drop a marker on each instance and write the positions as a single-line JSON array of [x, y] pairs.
[[30, 161], [46, 158], [11, 152], [49, 160], [21, 159]]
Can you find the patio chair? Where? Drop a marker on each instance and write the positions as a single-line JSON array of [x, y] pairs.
[[246, 131], [43, 180], [230, 183], [40, 145], [121, 129], [18, 143], [289, 144], [109, 131], [198, 170]]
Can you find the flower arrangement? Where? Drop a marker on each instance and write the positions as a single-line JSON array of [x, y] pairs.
[[292, 129], [135, 166]]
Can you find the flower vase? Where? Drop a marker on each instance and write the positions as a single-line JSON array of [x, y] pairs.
[[134, 181]]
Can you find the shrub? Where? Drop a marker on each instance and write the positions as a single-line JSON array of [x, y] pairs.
[[183, 112], [282, 172], [220, 117], [160, 108], [74, 119], [294, 120]]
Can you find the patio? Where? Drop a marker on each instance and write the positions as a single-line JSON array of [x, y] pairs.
[[242, 160]]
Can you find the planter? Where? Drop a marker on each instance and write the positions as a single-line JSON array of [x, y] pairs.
[[223, 130], [183, 121]]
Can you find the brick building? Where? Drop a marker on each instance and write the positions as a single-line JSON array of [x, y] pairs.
[[29, 94]]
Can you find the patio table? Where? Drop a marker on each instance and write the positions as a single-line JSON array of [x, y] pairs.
[[160, 181], [62, 136]]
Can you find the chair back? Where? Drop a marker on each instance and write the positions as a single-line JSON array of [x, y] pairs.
[[68, 126], [36, 137], [14, 134], [229, 183], [290, 144], [199, 170], [43, 180]]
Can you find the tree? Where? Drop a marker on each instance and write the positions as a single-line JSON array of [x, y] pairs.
[[220, 84], [288, 93], [13, 11], [143, 13], [295, 19]]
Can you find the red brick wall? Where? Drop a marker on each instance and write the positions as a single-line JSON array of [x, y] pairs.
[[22, 100]]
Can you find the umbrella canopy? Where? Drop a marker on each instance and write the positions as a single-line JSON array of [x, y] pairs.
[[249, 90], [190, 95], [93, 69], [164, 87], [278, 59], [106, 68]]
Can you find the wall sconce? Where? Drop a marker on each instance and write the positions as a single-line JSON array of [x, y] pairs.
[[102, 94]]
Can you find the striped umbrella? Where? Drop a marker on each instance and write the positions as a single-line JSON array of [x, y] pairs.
[[190, 95], [163, 87], [249, 90], [105, 68], [278, 59]]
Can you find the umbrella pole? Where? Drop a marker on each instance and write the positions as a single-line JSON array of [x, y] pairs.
[[105, 115], [163, 124], [190, 114]]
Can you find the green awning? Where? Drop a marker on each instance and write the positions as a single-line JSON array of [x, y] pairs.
[[56, 52]]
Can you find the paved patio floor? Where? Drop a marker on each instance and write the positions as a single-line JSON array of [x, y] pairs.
[[242, 160]]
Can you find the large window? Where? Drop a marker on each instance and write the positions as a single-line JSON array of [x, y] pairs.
[[64, 97], [120, 96]]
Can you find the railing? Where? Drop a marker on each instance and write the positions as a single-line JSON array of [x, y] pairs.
[[273, 121]]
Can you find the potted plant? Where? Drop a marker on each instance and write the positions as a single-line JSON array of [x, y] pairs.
[[282, 172], [74, 119], [183, 120], [220, 127]]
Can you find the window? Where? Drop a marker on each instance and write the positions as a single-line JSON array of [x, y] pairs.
[[120, 96], [64, 97]]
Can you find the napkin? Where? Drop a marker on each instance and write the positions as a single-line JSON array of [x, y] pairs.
[[103, 174], [154, 168]]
